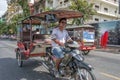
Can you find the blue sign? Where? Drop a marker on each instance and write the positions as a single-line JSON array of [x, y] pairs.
[[88, 36]]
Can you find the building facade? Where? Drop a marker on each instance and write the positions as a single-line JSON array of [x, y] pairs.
[[107, 10]]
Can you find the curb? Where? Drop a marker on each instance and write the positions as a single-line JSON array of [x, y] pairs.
[[116, 51]]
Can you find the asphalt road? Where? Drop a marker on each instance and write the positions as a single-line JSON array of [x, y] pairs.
[[106, 65]]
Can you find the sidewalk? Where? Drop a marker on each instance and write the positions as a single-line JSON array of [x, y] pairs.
[[109, 49]]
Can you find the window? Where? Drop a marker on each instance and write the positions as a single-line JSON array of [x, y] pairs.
[[105, 20], [96, 7], [60, 2], [106, 9], [96, 19]]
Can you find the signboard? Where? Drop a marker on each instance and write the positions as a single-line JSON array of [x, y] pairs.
[[88, 36]]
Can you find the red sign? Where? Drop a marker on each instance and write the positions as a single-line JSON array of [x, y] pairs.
[[104, 39]]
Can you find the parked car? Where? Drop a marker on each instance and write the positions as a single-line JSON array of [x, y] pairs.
[[13, 37]]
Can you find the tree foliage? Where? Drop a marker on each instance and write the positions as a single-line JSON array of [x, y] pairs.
[[15, 21], [24, 6], [11, 27], [84, 7]]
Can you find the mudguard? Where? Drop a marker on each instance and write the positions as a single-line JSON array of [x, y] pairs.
[[82, 64]]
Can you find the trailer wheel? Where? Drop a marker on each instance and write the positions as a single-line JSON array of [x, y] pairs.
[[19, 59], [17, 50], [85, 52], [16, 55]]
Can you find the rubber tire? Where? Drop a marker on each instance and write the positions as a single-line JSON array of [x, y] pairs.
[[17, 52], [16, 55], [19, 59]]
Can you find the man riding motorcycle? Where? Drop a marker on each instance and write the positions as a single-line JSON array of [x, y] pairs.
[[59, 37]]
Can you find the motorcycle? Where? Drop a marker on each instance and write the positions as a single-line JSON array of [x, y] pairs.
[[72, 65]]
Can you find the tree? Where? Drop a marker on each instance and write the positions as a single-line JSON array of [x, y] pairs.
[[3, 28], [84, 7], [24, 6], [17, 17], [15, 20]]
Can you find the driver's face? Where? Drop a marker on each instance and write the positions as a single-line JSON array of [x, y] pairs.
[[63, 23]]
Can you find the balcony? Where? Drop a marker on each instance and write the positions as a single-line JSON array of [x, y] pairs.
[[63, 6], [111, 2], [108, 14]]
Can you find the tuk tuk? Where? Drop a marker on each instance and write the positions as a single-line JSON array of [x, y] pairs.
[[85, 35], [33, 38], [34, 41]]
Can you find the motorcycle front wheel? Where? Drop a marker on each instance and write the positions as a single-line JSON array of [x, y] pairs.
[[84, 74]]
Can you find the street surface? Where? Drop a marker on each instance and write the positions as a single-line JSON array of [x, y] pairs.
[[106, 65]]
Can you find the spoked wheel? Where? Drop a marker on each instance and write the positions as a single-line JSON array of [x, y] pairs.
[[51, 65], [19, 59], [84, 74]]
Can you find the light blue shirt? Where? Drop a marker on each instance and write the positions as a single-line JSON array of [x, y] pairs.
[[62, 36]]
